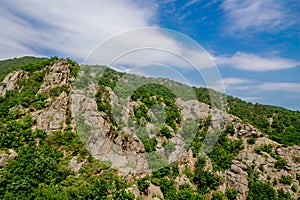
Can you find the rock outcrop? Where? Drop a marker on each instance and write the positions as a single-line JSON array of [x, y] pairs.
[[75, 165], [193, 109], [152, 193], [52, 118], [58, 75], [236, 178], [11, 81], [125, 151]]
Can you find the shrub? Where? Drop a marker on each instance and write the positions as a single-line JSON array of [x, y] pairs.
[[280, 163], [282, 195], [260, 190], [165, 132], [218, 196], [265, 147], [231, 194], [287, 180], [294, 188], [143, 184], [251, 140], [149, 144]]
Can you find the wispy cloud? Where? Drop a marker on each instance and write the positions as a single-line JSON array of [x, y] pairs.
[[71, 28], [236, 81], [257, 15], [283, 86], [253, 62], [276, 93]]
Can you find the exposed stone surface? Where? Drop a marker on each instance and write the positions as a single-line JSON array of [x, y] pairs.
[[243, 130], [124, 151], [11, 81], [152, 193], [187, 160], [75, 165], [236, 178], [52, 118], [193, 109], [5, 156], [265, 163], [58, 75]]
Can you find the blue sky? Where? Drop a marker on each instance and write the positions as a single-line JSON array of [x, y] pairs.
[[254, 43]]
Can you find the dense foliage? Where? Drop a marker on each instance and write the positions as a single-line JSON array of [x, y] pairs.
[[285, 126]]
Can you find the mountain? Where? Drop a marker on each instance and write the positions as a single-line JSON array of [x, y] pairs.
[[90, 132]]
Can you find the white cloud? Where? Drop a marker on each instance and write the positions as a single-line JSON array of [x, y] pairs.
[[72, 28], [257, 15], [253, 62], [281, 86], [276, 93], [235, 81]]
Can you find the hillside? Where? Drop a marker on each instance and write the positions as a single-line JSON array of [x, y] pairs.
[[89, 132]]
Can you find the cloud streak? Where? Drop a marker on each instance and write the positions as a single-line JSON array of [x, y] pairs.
[[253, 62], [257, 15]]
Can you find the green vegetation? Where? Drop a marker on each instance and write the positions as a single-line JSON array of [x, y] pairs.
[[27, 63], [251, 140], [285, 127], [282, 195], [231, 194], [286, 179], [218, 196], [149, 144], [103, 102], [294, 188], [225, 151], [260, 190], [151, 94], [205, 180], [143, 184], [55, 92], [280, 163], [265, 148]]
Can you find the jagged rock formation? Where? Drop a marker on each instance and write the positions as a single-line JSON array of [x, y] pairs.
[[236, 178], [193, 109], [58, 75], [11, 81], [124, 151], [54, 117]]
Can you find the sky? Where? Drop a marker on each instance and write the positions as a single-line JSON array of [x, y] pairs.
[[254, 44]]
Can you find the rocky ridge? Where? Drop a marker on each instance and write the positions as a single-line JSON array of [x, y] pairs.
[[126, 151]]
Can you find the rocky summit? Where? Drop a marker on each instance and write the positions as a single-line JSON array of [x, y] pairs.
[[88, 132]]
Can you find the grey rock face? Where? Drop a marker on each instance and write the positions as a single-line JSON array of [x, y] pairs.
[[10, 81], [237, 178], [75, 165], [124, 151], [52, 118], [58, 75], [193, 109]]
